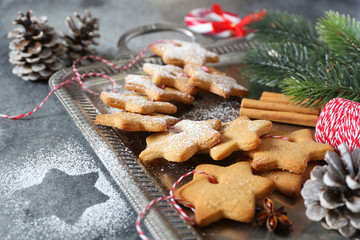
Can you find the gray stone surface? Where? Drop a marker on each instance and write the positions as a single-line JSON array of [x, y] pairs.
[[52, 185]]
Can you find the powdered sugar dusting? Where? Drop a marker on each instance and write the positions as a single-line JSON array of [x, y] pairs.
[[210, 106], [194, 136], [223, 82], [189, 52], [143, 84], [70, 157], [131, 98], [169, 71], [143, 81]]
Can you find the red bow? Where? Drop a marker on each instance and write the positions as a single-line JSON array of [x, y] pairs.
[[239, 28]]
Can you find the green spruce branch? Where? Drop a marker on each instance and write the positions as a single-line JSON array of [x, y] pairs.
[[279, 26], [270, 63], [315, 64], [342, 35], [316, 86]]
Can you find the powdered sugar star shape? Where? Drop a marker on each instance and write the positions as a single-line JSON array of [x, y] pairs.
[[51, 196]]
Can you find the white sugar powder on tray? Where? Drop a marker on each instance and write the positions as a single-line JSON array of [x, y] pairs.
[[209, 106], [108, 218]]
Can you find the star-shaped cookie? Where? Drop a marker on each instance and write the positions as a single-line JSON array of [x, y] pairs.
[[169, 75], [143, 84], [240, 134], [286, 182], [180, 53], [136, 103], [179, 145], [214, 81], [233, 196], [134, 122], [290, 155]]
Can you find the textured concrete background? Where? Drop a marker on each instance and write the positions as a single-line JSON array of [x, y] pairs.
[[52, 185]]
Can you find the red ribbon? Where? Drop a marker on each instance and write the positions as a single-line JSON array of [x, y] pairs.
[[238, 29]]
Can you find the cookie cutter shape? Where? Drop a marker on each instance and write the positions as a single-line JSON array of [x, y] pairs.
[[181, 53], [214, 81]]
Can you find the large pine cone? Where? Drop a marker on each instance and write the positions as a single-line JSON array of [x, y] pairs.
[[332, 194], [81, 35], [34, 48]]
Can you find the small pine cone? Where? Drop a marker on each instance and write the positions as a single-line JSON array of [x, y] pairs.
[[34, 49], [332, 194], [81, 35]]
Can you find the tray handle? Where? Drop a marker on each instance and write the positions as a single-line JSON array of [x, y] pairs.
[[152, 28]]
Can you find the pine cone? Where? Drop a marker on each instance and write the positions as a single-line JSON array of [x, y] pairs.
[[332, 194], [34, 48], [81, 35]]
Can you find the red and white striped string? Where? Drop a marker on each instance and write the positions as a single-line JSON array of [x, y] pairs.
[[339, 122], [79, 77], [173, 200], [275, 137]]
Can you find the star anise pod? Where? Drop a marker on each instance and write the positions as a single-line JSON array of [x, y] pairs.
[[273, 219]]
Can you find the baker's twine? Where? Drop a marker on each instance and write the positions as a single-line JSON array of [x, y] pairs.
[[339, 122], [173, 200], [80, 77]]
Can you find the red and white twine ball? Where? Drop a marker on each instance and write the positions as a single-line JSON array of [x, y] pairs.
[[339, 122]]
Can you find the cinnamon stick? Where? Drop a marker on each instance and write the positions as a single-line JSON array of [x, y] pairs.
[[280, 98], [274, 97], [280, 116], [283, 107]]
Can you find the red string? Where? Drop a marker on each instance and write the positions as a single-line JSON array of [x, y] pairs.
[[173, 200], [79, 77], [275, 137]]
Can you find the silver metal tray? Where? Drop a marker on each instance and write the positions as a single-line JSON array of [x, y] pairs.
[[118, 150]]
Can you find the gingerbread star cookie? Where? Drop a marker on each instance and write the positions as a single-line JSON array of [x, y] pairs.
[[292, 155], [286, 182], [180, 53], [233, 196], [240, 134], [214, 81], [136, 103], [169, 75], [184, 141], [143, 84], [136, 122]]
